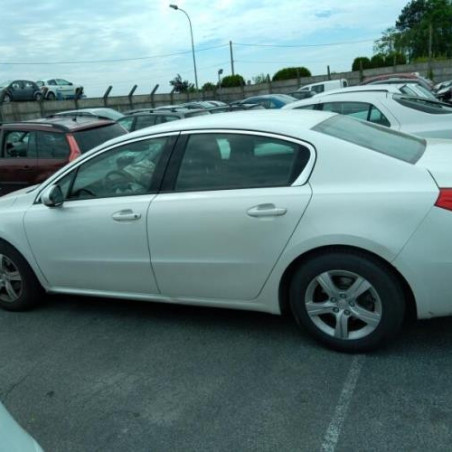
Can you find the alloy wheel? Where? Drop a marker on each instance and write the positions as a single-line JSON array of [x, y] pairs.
[[343, 304], [11, 284]]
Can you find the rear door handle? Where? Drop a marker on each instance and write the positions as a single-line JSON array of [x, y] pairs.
[[126, 215], [266, 210]]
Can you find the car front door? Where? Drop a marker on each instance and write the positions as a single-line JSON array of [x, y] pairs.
[[229, 210], [96, 242], [18, 160]]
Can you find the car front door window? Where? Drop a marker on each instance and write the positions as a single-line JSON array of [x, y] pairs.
[[123, 171]]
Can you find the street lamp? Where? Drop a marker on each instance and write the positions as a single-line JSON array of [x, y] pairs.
[[220, 71], [192, 42]]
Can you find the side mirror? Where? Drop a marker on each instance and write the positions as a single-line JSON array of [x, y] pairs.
[[52, 196]]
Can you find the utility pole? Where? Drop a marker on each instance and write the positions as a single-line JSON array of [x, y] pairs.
[[232, 57]]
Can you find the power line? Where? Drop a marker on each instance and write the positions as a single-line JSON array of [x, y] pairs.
[[115, 60], [304, 45]]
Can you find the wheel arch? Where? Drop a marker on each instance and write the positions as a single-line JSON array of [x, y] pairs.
[[286, 279]]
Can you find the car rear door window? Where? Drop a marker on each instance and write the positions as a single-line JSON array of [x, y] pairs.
[[234, 161], [52, 145], [144, 121]]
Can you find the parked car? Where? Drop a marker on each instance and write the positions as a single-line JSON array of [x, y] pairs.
[[58, 88], [320, 87], [342, 223], [268, 101], [33, 150], [98, 112], [139, 120], [399, 77], [443, 91], [13, 437], [387, 107], [16, 90]]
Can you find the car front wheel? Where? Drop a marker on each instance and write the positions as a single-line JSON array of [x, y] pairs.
[[51, 96], [348, 301], [19, 288]]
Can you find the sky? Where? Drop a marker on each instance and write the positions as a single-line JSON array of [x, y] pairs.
[[97, 43]]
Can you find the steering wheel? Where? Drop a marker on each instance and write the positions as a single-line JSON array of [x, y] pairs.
[[117, 179]]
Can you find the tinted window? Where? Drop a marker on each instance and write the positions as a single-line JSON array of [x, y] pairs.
[[358, 110], [52, 145], [122, 171], [127, 122], [144, 121], [228, 161], [383, 140], [90, 138]]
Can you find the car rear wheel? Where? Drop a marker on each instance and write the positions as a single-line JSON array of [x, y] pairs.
[[19, 288], [38, 96], [51, 96], [350, 302]]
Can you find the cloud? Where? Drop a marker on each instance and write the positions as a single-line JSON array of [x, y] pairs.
[[64, 31]]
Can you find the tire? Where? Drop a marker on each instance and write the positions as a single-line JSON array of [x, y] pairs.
[[51, 96], [20, 290], [7, 98], [38, 97], [348, 301]]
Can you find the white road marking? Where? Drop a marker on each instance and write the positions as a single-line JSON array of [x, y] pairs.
[[340, 413]]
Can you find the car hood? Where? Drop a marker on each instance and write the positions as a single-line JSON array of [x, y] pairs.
[[10, 198]]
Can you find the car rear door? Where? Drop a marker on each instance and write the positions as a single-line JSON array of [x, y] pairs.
[[228, 208], [18, 159]]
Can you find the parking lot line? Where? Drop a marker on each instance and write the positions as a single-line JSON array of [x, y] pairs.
[[340, 413]]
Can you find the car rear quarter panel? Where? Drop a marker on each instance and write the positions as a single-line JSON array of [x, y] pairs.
[[361, 199]]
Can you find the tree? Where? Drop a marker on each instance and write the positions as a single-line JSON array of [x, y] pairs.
[[377, 60], [258, 79], [209, 87], [289, 73], [181, 86], [361, 63], [231, 81], [422, 29]]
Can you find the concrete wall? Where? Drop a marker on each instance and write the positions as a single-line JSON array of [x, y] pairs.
[[19, 111]]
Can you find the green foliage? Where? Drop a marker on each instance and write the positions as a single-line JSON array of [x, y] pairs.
[[422, 25], [289, 73], [377, 60], [231, 81], [395, 58], [361, 63], [209, 87], [181, 86]]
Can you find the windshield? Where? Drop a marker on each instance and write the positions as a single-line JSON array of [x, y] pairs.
[[380, 139]]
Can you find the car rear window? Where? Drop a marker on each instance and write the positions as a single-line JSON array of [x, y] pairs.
[[90, 138], [425, 105], [377, 138]]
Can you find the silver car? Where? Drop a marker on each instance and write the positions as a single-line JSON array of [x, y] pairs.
[[341, 223], [399, 107]]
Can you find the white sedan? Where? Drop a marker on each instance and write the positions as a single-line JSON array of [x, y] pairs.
[[344, 224], [387, 106]]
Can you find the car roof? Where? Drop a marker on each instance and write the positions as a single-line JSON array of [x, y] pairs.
[[62, 123], [292, 123]]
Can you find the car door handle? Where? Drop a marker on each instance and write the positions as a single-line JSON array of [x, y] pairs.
[[266, 210], [126, 215]]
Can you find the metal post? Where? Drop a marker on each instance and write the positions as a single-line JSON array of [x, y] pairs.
[[232, 57], [192, 43]]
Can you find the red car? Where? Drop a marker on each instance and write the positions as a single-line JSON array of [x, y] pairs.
[[33, 150]]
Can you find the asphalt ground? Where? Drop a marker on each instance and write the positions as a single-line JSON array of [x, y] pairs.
[[84, 375]]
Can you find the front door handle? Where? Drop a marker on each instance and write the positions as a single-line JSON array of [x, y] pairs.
[[266, 210], [126, 215]]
